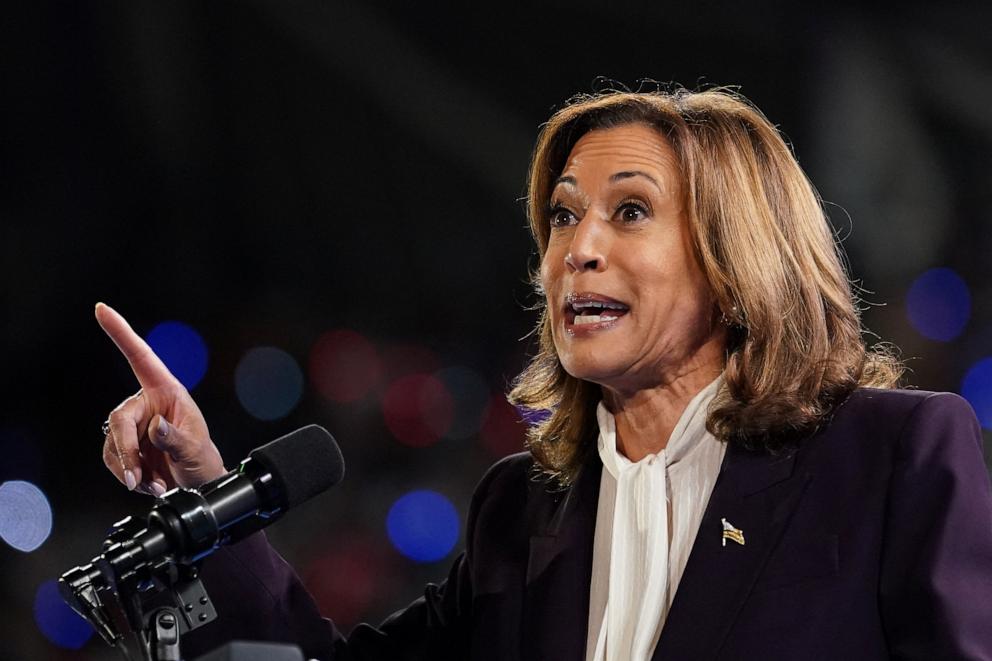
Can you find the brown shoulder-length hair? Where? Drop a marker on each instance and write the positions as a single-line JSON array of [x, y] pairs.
[[794, 347]]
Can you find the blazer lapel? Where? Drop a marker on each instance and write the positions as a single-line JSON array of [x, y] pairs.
[[756, 494], [559, 571]]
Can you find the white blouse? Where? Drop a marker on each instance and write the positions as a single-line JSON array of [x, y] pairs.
[[648, 516]]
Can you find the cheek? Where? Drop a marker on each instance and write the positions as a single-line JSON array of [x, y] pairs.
[[668, 283], [550, 274], [551, 283]]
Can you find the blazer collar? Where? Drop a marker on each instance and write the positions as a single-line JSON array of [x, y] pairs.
[[559, 568], [754, 492]]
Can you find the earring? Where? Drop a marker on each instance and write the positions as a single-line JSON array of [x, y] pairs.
[[728, 319]]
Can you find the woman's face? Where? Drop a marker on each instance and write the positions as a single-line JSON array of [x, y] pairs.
[[629, 305]]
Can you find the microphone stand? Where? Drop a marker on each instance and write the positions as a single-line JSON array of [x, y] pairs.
[[157, 600], [180, 606]]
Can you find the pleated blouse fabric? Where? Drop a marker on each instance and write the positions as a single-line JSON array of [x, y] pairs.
[[646, 522]]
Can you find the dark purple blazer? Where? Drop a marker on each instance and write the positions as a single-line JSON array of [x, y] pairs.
[[873, 540]]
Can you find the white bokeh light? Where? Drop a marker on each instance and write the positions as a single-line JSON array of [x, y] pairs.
[[25, 515]]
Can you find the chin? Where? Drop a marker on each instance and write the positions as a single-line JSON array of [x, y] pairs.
[[598, 369]]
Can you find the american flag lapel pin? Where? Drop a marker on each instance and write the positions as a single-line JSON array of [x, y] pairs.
[[732, 533]]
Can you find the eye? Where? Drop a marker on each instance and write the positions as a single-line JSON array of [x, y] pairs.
[[631, 212], [560, 216]]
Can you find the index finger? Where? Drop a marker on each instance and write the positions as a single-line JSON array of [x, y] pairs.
[[147, 367]]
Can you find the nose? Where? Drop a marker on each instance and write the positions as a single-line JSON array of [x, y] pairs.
[[587, 251]]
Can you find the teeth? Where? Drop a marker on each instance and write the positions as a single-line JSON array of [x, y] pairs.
[[592, 318], [582, 305]]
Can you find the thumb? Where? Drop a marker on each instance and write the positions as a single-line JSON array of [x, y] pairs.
[[171, 440]]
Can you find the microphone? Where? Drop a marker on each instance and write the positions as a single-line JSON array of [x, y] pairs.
[[186, 525]]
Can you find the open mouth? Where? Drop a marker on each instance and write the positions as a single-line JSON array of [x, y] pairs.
[[587, 309]]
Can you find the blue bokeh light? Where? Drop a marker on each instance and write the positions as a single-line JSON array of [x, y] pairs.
[[268, 382], [181, 349], [977, 389], [25, 515], [423, 526], [533, 417], [938, 304], [60, 624]]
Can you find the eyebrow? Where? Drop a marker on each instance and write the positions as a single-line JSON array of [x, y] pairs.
[[627, 174], [619, 176]]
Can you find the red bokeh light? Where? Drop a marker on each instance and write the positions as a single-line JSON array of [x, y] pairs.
[[346, 580], [502, 431], [344, 366], [403, 359], [418, 409]]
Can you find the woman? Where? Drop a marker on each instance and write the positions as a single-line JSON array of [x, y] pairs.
[[701, 356]]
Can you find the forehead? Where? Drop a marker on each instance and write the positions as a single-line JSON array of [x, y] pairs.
[[621, 148]]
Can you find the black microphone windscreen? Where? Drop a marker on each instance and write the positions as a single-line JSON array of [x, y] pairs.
[[305, 462]]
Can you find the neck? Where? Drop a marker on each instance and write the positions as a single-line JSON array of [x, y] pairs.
[[645, 418]]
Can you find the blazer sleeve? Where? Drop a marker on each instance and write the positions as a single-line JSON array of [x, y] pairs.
[[259, 597], [936, 576]]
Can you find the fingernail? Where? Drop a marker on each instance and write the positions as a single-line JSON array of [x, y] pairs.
[[163, 427], [156, 489], [129, 478]]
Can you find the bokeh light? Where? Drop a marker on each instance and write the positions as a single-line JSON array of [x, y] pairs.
[[423, 526], [403, 359], [503, 431], [60, 624], [344, 366], [25, 515], [532, 417], [346, 578], [938, 304], [181, 349], [418, 409], [977, 389], [470, 395], [268, 383]]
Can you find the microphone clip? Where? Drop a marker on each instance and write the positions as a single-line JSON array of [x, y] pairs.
[[156, 598]]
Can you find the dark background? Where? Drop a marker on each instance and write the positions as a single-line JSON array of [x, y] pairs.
[[266, 171]]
